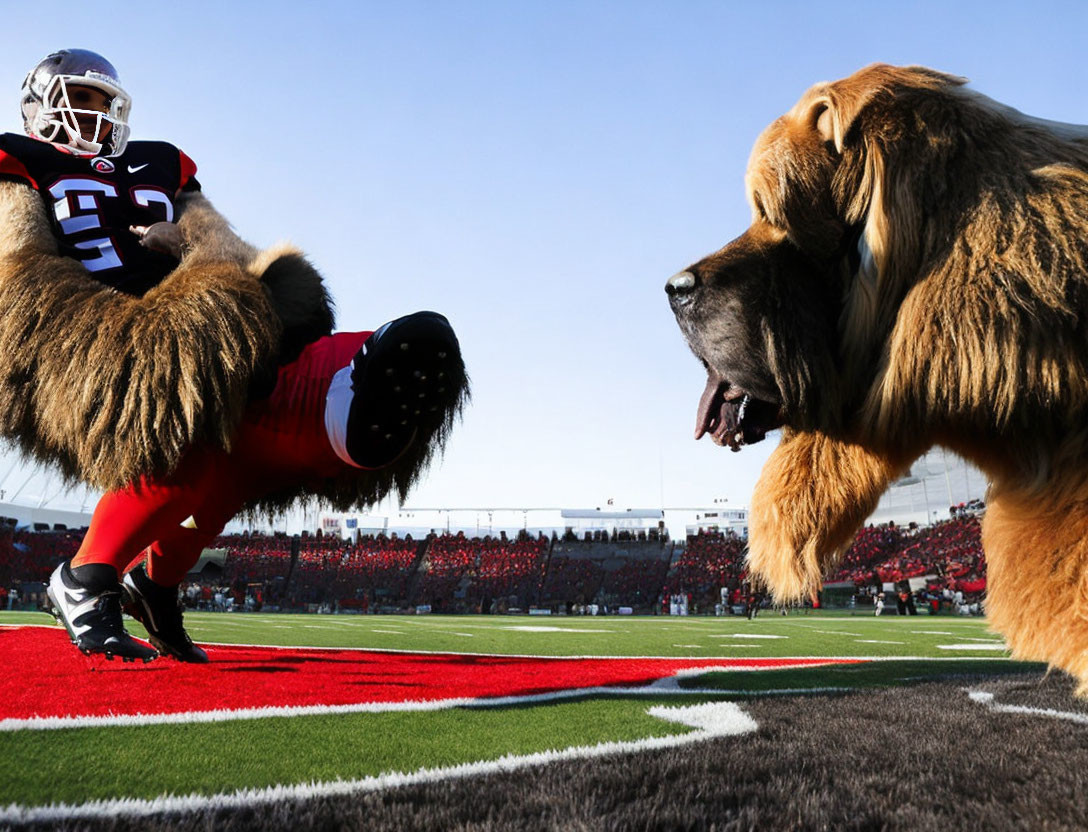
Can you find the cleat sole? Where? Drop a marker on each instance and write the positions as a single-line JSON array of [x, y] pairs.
[[421, 363]]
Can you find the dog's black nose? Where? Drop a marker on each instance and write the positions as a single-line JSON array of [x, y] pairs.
[[680, 284]]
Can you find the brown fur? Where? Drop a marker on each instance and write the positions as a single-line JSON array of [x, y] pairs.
[[962, 324], [108, 387]]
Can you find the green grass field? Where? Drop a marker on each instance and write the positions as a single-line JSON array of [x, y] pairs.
[[768, 635], [152, 760]]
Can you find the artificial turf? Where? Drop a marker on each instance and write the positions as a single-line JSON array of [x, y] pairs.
[[858, 676], [768, 635], [36, 767], [208, 758]]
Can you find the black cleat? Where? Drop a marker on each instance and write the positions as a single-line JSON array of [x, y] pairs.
[[92, 615], [158, 608], [405, 378]]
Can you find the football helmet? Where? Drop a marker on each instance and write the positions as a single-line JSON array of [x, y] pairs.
[[49, 113]]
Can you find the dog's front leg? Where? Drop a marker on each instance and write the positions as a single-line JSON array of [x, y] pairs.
[[813, 494]]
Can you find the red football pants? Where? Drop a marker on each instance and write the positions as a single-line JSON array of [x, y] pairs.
[[281, 443]]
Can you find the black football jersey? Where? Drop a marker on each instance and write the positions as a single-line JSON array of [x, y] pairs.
[[92, 202]]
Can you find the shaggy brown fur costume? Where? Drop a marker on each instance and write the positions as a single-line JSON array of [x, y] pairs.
[[916, 274], [108, 387]]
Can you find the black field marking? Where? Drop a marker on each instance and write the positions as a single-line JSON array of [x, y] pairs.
[[911, 758]]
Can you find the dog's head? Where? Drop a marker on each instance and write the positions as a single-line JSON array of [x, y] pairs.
[[782, 316]]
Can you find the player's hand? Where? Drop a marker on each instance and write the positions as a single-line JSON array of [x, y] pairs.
[[163, 237]]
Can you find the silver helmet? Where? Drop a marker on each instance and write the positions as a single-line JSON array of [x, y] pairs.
[[50, 112]]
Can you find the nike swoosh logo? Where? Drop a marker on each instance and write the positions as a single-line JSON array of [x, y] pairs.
[[134, 168]]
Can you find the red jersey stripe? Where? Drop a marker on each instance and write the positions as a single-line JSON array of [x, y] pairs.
[[10, 166], [188, 170]]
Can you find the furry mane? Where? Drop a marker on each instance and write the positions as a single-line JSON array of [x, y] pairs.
[[949, 234], [107, 386]]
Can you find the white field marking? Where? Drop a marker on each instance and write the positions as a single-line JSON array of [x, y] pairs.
[[746, 635], [52, 723], [438, 627], [931, 633], [984, 640], [813, 626], [989, 646], [529, 629], [875, 641], [390, 632], [710, 720], [466, 635], [987, 699], [696, 646]]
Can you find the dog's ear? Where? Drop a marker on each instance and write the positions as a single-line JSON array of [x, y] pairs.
[[834, 112], [833, 108]]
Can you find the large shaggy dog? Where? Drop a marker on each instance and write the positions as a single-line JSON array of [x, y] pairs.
[[915, 274]]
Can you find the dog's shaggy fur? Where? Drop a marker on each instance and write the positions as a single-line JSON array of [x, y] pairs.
[[107, 387], [916, 274]]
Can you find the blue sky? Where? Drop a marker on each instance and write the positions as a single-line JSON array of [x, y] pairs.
[[535, 171]]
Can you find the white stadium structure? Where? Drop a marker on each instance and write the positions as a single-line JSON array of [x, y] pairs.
[[935, 483]]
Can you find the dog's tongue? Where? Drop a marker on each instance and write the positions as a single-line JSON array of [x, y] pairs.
[[709, 404]]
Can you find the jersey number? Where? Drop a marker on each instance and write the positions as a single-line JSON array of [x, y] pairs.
[[77, 210]]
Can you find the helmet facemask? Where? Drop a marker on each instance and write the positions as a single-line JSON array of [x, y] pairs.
[[52, 116]]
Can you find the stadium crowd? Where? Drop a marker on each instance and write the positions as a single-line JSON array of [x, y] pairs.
[[710, 561], [461, 573], [950, 550]]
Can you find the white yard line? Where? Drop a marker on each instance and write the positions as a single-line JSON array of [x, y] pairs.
[[745, 635], [710, 720], [987, 699], [531, 629], [226, 715]]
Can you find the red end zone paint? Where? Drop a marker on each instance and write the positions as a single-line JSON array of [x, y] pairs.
[[44, 676]]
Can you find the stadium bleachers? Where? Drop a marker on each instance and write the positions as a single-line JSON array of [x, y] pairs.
[[710, 561], [949, 549], [459, 573], [572, 580]]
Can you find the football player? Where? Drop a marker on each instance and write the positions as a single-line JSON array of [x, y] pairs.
[[100, 191], [334, 410]]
